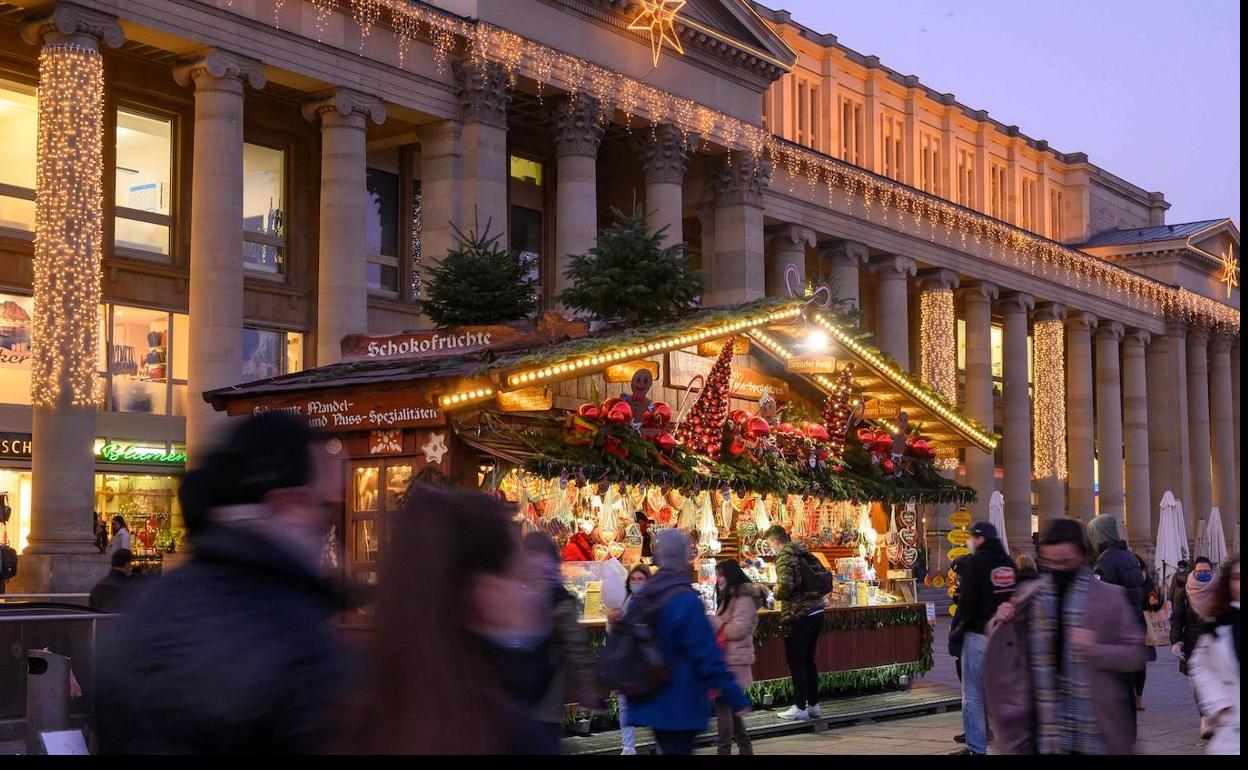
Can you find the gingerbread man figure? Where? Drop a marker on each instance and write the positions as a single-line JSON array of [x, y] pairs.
[[639, 397]]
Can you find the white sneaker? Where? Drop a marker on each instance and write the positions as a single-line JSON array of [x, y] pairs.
[[794, 714], [628, 751], [814, 711]]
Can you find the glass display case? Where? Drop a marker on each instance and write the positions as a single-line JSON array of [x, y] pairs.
[[583, 579]]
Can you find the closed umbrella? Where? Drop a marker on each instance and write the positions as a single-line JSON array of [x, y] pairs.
[[1171, 537], [996, 516], [1217, 539]]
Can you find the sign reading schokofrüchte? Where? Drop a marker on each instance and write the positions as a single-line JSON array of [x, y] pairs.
[[368, 411], [463, 340]]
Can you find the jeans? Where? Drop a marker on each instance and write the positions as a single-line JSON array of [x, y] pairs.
[[731, 726], [799, 650], [628, 733], [677, 743], [974, 716]]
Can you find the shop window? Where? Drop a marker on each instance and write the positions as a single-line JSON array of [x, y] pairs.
[[264, 209], [142, 360], [142, 185], [381, 231], [526, 170], [19, 112], [270, 353], [15, 493], [149, 504], [377, 491], [16, 314]]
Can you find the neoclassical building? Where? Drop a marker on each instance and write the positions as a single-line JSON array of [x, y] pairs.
[[250, 180]]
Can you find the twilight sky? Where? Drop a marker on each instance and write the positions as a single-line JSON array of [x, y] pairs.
[[1149, 89]]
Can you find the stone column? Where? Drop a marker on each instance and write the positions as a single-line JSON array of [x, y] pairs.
[[1198, 425], [980, 466], [788, 247], [441, 193], [1222, 425], [69, 152], [341, 288], [1235, 420], [578, 127], [1135, 440], [1109, 419], [484, 90], [1160, 475], [938, 357], [738, 270], [1016, 430], [664, 156], [1048, 411], [1080, 425], [844, 259], [216, 285], [892, 313]]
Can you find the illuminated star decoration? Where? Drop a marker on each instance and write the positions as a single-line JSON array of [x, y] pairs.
[[435, 449], [657, 17], [1230, 270]]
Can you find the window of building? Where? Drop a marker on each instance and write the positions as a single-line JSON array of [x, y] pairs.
[[1056, 224], [997, 191], [526, 217], [966, 177], [996, 337], [268, 353], [803, 113], [19, 111], [16, 317], [1031, 205], [815, 140], [526, 170], [851, 131], [264, 209], [381, 230], [892, 133], [930, 164], [143, 192], [146, 364]]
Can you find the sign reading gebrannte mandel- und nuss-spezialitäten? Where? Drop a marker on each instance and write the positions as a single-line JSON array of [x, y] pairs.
[[370, 411]]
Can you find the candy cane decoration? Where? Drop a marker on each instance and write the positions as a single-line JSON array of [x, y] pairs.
[[687, 400]]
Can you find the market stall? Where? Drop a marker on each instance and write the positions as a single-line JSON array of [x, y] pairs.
[[721, 423]]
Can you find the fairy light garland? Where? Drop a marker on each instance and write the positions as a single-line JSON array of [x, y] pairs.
[[938, 349], [413, 22], [68, 225], [1049, 405]]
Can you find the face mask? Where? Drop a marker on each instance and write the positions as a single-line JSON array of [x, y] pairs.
[[634, 587], [1204, 577]]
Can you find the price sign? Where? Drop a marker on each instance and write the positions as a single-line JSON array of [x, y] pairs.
[[960, 519]]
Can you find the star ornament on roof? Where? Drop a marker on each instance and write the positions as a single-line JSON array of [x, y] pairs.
[[1230, 270], [657, 17]]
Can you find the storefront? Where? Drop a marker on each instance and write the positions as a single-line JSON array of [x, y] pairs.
[[720, 424]]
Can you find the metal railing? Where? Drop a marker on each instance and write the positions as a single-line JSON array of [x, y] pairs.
[[74, 634]]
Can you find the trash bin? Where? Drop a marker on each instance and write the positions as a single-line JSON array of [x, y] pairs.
[[47, 695]]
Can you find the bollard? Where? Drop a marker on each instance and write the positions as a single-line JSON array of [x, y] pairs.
[[47, 696]]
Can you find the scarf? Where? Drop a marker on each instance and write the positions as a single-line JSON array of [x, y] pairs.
[[1065, 720], [1199, 595]]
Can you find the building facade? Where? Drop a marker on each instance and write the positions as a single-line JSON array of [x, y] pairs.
[[250, 180]]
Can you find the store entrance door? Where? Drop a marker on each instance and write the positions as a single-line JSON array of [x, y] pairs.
[[375, 492]]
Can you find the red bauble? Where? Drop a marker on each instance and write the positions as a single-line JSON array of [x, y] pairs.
[[884, 444], [817, 432], [887, 466], [736, 448], [866, 437], [757, 427], [610, 403], [739, 416], [665, 441], [620, 413], [589, 412], [660, 414]]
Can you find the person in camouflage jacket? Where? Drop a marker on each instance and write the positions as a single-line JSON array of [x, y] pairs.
[[801, 614]]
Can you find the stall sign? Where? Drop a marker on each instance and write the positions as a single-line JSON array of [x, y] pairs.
[[682, 367], [372, 411], [810, 363], [958, 536], [875, 409], [15, 445], [20, 445], [960, 519], [625, 372], [440, 343], [946, 451], [740, 347], [539, 399]]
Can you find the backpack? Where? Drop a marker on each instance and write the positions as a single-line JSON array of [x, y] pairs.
[[632, 660], [8, 563], [814, 578]]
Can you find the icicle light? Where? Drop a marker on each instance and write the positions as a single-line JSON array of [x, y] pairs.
[[1049, 410], [938, 349]]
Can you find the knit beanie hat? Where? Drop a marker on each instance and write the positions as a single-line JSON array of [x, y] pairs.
[[671, 548]]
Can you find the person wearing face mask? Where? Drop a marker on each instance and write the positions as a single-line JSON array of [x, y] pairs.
[[637, 577], [233, 653], [1057, 651], [1215, 663], [738, 600], [1189, 618]]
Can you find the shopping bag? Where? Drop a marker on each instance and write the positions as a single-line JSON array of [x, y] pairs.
[[1157, 629]]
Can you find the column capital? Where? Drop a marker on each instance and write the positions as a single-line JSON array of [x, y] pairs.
[[1110, 330], [793, 234], [938, 279], [219, 65], [1176, 327], [664, 151], [979, 291], [896, 263], [68, 23], [1049, 311], [578, 123], [1221, 343], [1017, 302], [1081, 319], [741, 179], [484, 89], [1137, 338], [442, 130], [845, 252], [345, 103], [1197, 334]]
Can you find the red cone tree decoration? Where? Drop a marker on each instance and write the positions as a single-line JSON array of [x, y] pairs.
[[702, 430], [836, 410]]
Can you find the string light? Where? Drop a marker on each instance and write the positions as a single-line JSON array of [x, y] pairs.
[[465, 397], [938, 363], [1049, 406], [68, 225]]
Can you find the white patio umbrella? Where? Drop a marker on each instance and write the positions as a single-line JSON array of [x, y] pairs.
[[1217, 539], [1171, 537], [996, 516]]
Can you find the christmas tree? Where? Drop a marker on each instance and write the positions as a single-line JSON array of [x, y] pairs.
[[836, 409], [702, 431], [479, 283], [629, 274]]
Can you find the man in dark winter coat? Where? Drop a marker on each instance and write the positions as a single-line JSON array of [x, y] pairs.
[[233, 653], [1116, 564], [986, 581], [114, 592]]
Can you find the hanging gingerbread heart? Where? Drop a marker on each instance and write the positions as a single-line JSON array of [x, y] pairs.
[[907, 537], [908, 557], [907, 519]]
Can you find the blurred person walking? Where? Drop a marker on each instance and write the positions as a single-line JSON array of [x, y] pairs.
[[114, 592], [233, 652], [1214, 663], [801, 584], [636, 580], [1056, 654], [1118, 565], [738, 600], [1189, 619], [1025, 568]]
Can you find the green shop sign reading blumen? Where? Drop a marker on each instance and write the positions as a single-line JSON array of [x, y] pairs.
[[128, 453]]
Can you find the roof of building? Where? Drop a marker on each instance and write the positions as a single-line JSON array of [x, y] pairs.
[[1122, 237]]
